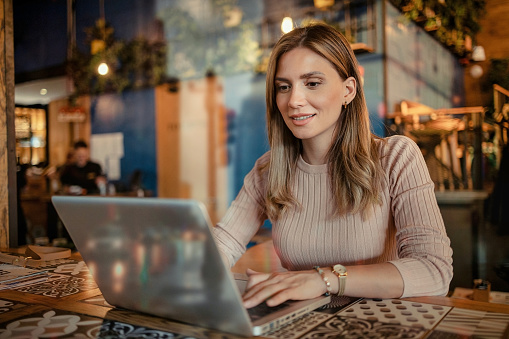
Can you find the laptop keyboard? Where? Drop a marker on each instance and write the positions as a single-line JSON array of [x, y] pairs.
[[263, 309]]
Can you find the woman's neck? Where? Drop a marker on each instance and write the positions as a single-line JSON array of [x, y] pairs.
[[313, 153]]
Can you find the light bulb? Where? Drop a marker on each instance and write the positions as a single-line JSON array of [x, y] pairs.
[[476, 71], [103, 68], [287, 24]]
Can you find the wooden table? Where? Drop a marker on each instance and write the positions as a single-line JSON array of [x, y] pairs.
[[70, 304]]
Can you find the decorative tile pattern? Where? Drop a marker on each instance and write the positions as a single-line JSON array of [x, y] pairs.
[[74, 268], [338, 303], [49, 265], [7, 306], [68, 267], [472, 324], [397, 312], [59, 285], [115, 329], [348, 327], [62, 324], [300, 326], [51, 324]]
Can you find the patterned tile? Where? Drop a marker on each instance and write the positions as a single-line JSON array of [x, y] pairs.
[[63, 324], [115, 329], [338, 303], [50, 324], [398, 312], [59, 285], [355, 328], [50, 265], [313, 319], [8, 305], [300, 326], [74, 268]]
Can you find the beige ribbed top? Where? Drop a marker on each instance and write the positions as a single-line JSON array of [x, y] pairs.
[[406, 230]]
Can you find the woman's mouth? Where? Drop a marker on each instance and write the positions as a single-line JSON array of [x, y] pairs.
[[301, 120], [304, 117]]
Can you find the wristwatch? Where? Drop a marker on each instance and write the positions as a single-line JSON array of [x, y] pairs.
[[340, 271]]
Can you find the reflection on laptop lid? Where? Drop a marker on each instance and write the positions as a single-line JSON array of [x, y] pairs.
[[158, 256]]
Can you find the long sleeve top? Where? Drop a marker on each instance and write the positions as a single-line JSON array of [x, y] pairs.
[[406, 230]]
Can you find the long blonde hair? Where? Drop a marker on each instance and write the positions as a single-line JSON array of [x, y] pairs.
[[354, 167]]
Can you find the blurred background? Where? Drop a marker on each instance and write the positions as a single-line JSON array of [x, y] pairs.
[[170, 96]]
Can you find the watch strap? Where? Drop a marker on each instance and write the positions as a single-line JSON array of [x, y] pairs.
[[340, 272]]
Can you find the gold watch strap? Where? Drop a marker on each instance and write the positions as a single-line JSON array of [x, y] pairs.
[[341, 274]]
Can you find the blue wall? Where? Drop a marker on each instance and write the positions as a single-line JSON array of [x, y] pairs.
[[133, 114], [374, 90], [245, 99]]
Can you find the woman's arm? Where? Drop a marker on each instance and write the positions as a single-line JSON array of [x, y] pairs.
[[243, 218], [425, 255], [369, 281]]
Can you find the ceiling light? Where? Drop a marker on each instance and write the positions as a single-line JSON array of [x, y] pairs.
[[478, 54], [476, 71], [43, 91], [103, 68], [287, 25], [323, 4]]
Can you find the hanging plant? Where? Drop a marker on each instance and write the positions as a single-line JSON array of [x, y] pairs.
[[454, 23], [132, 65], [198, 47]]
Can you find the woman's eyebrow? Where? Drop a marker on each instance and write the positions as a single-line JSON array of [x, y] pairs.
[[303, 76], [310, 74]]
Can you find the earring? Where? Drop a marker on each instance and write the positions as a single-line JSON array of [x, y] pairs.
[[344, 105]]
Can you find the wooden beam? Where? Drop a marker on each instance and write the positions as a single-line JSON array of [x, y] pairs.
[[501, 89], [8, 189]]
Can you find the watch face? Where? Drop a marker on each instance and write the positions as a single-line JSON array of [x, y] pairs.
[[339, 268]]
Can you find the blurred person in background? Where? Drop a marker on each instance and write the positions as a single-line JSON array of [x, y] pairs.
[[83, 176]]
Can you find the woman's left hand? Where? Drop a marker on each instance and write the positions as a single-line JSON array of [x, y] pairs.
[[276, 288]]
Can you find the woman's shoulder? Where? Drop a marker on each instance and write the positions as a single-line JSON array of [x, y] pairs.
[[261, 165], [257, 176], [396, 145], [264, 158]]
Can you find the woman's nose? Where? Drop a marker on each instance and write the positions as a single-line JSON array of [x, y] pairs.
[[297, 98]]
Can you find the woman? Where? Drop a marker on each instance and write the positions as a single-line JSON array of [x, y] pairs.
[[352, 214]]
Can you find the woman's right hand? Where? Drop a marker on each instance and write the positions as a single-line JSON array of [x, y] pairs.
[[276, 288]]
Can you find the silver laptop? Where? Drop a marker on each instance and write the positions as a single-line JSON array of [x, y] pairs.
[[158, 256]]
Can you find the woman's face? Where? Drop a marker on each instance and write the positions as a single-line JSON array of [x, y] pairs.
[[310, 94]]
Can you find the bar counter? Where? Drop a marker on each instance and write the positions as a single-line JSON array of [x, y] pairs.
[[69, 304]]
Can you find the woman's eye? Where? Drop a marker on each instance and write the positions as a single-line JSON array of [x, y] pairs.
[[283, 88], [313, 84]]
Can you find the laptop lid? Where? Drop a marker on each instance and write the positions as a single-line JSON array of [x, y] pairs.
[[158, 256]]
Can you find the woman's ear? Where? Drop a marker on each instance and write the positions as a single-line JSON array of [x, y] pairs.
[[349, 89]]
